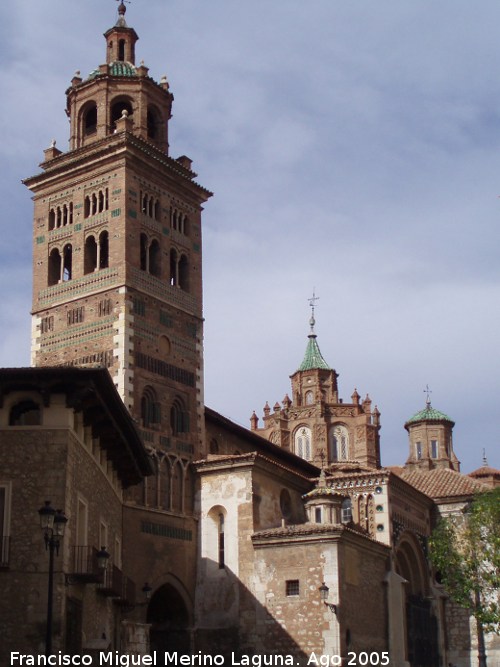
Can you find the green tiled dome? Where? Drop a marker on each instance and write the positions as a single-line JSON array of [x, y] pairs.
[[313, 357], [122, 69], [117, 68], [429, 414]]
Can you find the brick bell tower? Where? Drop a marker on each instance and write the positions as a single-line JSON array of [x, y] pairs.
[[117, 278]]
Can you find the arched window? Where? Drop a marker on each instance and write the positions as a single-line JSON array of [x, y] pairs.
[[184, 273], [117, 108], [174, 276], [155, 124], [213, 447], [103, 250], [339, 443], [90, 119], [25, 413], [303, 442], [52, 219], [221, 541], [121, 49], [154, 258], [309, 397], [179, 418], [67, 262], [150, 408], [164, 346], [54, 273], [90, 255]]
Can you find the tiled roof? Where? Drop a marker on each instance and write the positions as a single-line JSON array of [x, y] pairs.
[[485, 471], [442, 483], [429, 414], [313, 358]]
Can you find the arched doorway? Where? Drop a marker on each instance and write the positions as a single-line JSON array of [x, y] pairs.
[[170, 621], [422, 643]]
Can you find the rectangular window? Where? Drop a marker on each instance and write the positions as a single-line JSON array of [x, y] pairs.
[[5, 499], [418, 450], [317, 513], [104, 307], [103, 535], [47, 324], [76, 315], [292, 587], [434, 449]]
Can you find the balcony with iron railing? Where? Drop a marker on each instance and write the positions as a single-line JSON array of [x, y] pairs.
[[115, 584], [84, 568]]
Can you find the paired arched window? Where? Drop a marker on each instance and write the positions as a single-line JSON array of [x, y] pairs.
[[303, 442], [96, 253], [150, 255], [150, 408], [179, 417], [60, 265], [339, 443], [179, 270]]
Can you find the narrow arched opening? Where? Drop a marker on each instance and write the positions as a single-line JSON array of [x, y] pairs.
[[89, 255]]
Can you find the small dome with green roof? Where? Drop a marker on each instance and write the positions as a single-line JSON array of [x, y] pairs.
[[429, 414]]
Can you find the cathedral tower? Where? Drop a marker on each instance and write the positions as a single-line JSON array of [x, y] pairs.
[[430, 435], [117, 276], [316, 424]]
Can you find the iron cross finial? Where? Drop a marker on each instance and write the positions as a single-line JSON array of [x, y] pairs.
[[428, 392], [312, 302]]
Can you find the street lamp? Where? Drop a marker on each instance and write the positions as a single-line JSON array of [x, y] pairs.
[[323, 591], [53, 523]]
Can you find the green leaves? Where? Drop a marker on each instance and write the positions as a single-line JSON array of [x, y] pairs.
[[465, 551]]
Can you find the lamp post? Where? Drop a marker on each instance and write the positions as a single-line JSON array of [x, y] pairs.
[[53, 523], [323, 591]]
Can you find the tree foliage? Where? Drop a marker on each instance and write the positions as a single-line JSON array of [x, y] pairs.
[[465, 550]]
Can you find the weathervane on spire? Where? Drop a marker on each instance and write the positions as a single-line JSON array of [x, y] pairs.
[[121, 7], [312, 302], [428, 392]]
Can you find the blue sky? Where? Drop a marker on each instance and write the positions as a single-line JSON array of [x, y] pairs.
[[353, 148]]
